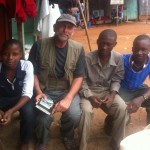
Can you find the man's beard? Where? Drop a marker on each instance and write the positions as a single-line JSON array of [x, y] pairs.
[[62, 37]]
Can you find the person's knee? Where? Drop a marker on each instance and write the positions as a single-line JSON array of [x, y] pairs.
[[120, 107], [86, 107], [43, 120], [75, 118], [74, 112], [28, 115], [28, 110]]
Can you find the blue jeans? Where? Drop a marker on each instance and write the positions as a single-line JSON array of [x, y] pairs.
[[69, 119], [27, 116]]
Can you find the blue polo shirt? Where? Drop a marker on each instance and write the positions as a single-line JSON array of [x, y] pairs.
[[132, 79]]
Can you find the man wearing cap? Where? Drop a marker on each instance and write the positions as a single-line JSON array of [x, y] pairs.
[[59, 69]]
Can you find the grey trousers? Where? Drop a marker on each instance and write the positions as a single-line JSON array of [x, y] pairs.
[[128, 95], [117, 110], [69, 119]]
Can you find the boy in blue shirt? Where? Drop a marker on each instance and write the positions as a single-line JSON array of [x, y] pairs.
[[137, 68], [16, 90]]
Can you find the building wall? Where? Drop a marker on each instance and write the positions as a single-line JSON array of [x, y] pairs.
[[102, 5], [131, 12], [132, 9], [28, 31], [144, 9]]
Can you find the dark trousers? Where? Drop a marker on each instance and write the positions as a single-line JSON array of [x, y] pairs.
[[27, 116]]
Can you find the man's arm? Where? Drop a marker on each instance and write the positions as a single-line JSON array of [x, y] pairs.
[[118, 76], [135, 103], [86, 92], [64, 104], [34, 58], [75, 86], [34, 55], [115, 83]]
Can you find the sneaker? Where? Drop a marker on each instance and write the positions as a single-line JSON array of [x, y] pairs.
[[69, 144], [108, 125]]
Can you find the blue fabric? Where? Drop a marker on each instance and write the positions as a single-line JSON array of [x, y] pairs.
[[27, 116], [6, 87], [133, 80], [9, 97]]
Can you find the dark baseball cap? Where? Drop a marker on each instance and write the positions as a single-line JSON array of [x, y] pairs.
[[67, 18]]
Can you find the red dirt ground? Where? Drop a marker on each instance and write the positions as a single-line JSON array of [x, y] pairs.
[[98, 141]]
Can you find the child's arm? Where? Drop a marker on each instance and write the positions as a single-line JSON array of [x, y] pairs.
[[37, 89], [6, 118]]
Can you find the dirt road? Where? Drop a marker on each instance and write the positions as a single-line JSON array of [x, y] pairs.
[[98, 140]]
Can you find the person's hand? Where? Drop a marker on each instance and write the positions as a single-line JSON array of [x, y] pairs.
[[6, 118], [39, 96], [134, 105], [108, 100], [62, 105], [95, 101]]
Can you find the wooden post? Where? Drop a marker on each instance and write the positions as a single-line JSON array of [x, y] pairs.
[[147, 11], [121, 13], [117, 16], [85, 24], [87, 10], [20, 29]]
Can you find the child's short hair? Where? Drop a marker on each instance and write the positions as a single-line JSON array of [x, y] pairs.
[[10, 42], [141, 37]]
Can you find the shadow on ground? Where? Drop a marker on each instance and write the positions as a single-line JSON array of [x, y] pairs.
[[9, 135]]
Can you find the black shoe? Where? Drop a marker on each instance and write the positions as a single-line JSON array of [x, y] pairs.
[[108, 125], [69, 144]]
